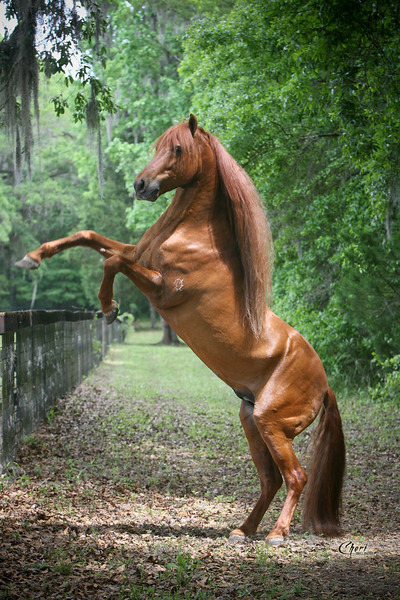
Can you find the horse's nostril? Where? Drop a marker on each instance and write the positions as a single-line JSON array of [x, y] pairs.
[[139, 185], [146, 188]]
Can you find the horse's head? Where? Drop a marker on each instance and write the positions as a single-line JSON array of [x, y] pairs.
[[174, 165]]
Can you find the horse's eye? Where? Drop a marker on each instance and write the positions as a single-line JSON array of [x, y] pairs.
[[178, 150]]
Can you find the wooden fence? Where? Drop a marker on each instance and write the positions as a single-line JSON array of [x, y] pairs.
[[43, 355]]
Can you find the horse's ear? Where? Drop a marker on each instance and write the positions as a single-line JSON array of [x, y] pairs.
[[192, 124]]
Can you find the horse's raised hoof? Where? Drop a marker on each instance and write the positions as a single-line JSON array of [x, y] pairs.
[[275, 541], [112, 315], [27, 263]]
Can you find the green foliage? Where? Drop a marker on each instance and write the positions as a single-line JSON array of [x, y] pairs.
[[7, 210], [61, 197], [388, 389], [304, 96], [126, 320], [45, 39], [145, 55]]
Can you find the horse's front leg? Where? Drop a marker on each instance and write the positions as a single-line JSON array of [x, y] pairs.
[[105, 246], [147, 281]]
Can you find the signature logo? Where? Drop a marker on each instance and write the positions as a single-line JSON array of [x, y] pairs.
[[351, 549]]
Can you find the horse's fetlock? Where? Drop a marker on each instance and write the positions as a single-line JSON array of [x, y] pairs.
[[44, 251]]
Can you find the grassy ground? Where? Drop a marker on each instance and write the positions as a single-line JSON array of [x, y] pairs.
[[130, 489]]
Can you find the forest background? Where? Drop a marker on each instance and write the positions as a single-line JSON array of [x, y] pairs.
[[304, 94]]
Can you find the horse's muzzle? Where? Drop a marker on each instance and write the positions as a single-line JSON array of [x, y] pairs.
[[146, 190]]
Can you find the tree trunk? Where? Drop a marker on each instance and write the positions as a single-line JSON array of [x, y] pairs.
[[153, 316], [35, 285], [169, 336]]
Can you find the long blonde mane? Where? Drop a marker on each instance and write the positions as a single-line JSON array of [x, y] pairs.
[[252, 234]]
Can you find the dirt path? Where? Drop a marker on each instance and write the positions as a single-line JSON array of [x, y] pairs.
[[130, 495]]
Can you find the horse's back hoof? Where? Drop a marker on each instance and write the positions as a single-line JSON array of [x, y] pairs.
[[112, 315], [275, 541], [236, 538], [27, 263], [233, 540]]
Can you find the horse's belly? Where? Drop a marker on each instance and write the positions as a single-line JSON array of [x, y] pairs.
[[228, 347], [222, 341]]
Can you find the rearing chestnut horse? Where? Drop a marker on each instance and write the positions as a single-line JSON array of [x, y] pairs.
[[204, 265]]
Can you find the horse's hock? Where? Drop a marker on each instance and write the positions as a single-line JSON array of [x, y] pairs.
[[43, 355]]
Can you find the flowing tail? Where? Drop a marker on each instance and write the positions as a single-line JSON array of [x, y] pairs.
[[322, 500]]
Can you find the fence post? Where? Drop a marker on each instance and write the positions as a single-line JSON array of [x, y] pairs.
[[8, 408]]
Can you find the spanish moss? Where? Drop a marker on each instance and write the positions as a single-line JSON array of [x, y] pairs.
[[23, 56]]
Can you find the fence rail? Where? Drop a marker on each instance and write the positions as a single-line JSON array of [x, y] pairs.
[[43, 355]]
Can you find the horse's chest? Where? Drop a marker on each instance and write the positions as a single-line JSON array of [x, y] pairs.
[[175, 256]]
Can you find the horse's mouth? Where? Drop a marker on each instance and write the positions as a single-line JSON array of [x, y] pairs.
[[146, 197]]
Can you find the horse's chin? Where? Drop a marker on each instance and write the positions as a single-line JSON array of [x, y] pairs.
[[146, 198]]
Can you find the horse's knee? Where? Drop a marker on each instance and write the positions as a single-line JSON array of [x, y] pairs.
[[112, 265], [85, 234]]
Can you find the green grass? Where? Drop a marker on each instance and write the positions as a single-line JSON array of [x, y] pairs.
[[170, 372], [130, 490], [170, 402]]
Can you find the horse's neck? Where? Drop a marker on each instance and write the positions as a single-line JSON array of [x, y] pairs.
[[195, 204], [194, 209]]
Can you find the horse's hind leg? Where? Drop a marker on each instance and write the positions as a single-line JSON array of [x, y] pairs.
[[278, 434], [268, 472], [105, 246]]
